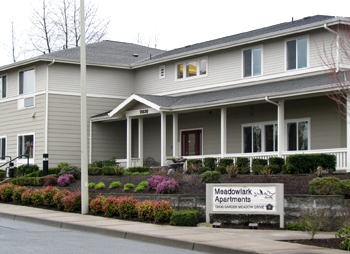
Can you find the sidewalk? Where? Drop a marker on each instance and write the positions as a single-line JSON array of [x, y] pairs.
[[202, 238]]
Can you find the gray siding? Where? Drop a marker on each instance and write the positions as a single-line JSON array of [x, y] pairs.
[[103, 81]]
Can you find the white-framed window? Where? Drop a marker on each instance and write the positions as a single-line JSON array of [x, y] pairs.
[[162, 71], [263, 137], [3, 86], [297, 53], [2, 148], [26, 145], [192, 68], [26, 81], [298, 133], [252, 62]]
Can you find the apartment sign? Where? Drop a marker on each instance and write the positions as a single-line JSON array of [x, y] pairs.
[[245, 199]]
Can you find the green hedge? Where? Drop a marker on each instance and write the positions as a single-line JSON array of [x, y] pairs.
[[29, 181], [224, 162], [308, 163], [210, 162], [261, 162], [188, 218], [138, 169], [243, 165]]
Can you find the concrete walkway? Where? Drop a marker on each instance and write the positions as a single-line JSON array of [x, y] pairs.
[[202, 238]]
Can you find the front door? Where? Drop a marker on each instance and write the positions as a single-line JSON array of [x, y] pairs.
[[191, 142]]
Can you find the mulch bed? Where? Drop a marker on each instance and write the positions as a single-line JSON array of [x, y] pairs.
[[190, 184]]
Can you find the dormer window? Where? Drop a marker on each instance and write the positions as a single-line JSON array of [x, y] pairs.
[[297, 54], [192, 69], [252, 62]]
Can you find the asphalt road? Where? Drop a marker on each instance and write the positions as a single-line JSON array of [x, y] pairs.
[[29, 238]]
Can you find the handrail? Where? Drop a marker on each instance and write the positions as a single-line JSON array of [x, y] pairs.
[[11, 160]]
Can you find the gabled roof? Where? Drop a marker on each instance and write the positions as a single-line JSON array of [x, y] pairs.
[[280, 89]]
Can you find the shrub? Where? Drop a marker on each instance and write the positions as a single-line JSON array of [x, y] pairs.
[[47, 195], [224, 162], [94, 170], [325, 186], [108, 170], [73, 170], [128, 186], [232, 170], [64, 180], [110, 207], [211, 177], [141, 186], [290, 169], [54, 171], [6, 192], [155, 180], [37, 197], [278, 161], [57, 198], [50, 180], [35, 174], [91, 185], [145, 210], [221, 169], [100, 185], [167, 187], [345, 187], [313, 220], [126, 208], [96, 204], [103, 163], [2, 174], [258, 169], [62, 165], [17, 194], [138, 169], [296, 226], [162, 211], [193, 165], [26, 169], [115, 184], [272, 169], [26, 198], [344, 232], [308, 163], [28, 181], [188, 218], [72, 202], [210, 163], [243, 165], [201, 170], [262, 162]]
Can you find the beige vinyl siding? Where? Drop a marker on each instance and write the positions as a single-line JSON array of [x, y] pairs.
[[21, 122], [104, 81], [151, 135]]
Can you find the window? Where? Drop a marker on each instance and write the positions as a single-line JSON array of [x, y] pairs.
[[297, 54], [192, 68], [271, 138], [2, 148], [162, 71], [3, 87], [252, 139], [26, 145], [26, 81], [297, 136], [252, 62]]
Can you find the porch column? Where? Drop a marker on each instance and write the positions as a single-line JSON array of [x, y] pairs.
[[128, 142], [223, 131], [281, 128], [348, 133], [162, 138], [175, 135], [141, 141]]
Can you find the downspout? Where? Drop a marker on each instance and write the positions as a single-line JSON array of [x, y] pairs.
[[337, 47], [268, 100], [47, 107]]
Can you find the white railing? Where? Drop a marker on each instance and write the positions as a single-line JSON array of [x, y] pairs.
[[340, 154]]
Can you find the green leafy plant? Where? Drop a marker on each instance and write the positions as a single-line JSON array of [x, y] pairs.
[[17, 194], [126, 207], [6, 192], [57, 198], [220, 169], [110, 207], [141, 186], [224, 162], [210, 177], [325, 186], [145, 210], [232, 170], [345, 187], [162, 211], [313, 220], [201, 170], [62, 164], [91, 185], [26, 169], [103, 163], [47, 195], [37, 197], [188, 218], [344, 232], [100, 185], [243, 165], [296, 226], [114, 184], [210, 162], [128, 186]]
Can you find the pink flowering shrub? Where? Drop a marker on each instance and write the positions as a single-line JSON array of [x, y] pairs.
[[57, 198], [65, 180], [48, 194], [72, 202], [110, 207], [96, 204], [126, 207], [155, 180], [145, 210], [167, 187]]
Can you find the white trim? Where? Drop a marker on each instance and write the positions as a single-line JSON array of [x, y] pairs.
[[31, 160], [307, 36], [89, 95], [162, 138], [260, 46], [128, 141], [185, 62]]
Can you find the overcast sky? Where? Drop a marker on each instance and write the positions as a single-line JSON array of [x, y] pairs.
[[177, 23]]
